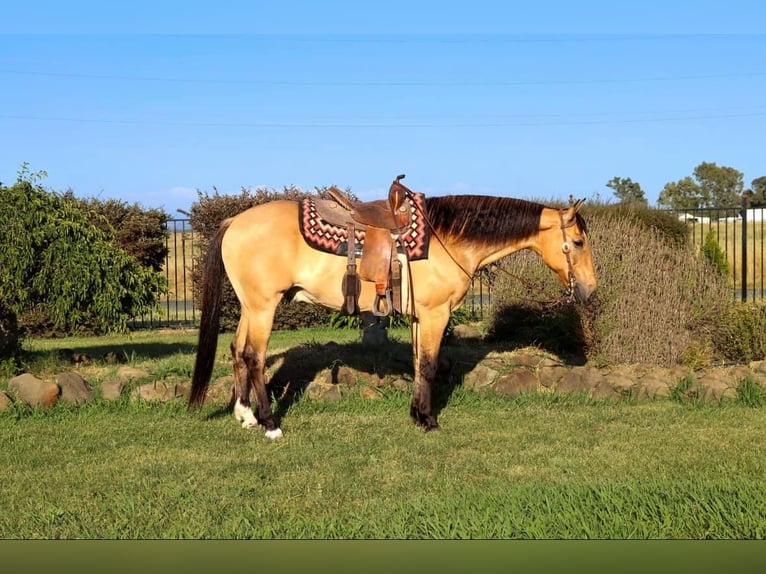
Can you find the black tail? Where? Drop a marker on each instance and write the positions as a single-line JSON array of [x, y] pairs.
[[213, 274]]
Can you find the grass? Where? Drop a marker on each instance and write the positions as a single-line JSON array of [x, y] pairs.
[[542, 466], [533, 468]]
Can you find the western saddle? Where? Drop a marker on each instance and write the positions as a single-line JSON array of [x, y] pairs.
[[382, 222]]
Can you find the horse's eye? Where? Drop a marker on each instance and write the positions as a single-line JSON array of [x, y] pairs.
[[578, 242]]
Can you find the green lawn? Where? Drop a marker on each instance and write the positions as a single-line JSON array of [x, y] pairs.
[[533, 468], [544, 466]]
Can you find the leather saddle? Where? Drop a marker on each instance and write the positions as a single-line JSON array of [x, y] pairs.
[[382, 221]]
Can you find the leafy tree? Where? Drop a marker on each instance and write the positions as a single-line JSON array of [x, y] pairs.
[[720, 186], [54, 260], [757, 192], [139, 231], [627, 191], [711, 186], [682, 194]]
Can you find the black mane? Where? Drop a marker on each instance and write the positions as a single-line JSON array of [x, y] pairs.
[[483, 218]]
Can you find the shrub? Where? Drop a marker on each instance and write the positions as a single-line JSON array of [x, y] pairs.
[[655, 298], [54, 261], [714, 254], [741, 334]]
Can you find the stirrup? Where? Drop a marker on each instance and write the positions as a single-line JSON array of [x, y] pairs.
[[376, 304]]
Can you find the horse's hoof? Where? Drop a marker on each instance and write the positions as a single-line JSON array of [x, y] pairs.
[[274, 434], [249, 424]]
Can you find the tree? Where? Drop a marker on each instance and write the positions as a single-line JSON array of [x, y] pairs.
[[757, 192], [626, 190], [711, 186], [54, 260], [682, 194], [720, 186]]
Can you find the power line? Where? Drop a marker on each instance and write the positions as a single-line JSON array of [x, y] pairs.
[[382, 83], [389, 125]]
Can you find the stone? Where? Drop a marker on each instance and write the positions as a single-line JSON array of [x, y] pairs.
[[5, 401], [655, 386], [550, 375], [112, 358], [128, 373], [33, 391], [621, 384], [401, 384], [342, 375], [158, 391], [515, 383], [74, 389], [579, 380], [320, 391], [480, 377], [111, 390]]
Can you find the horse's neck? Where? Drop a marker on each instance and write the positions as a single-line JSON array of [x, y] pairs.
[[476, 256]]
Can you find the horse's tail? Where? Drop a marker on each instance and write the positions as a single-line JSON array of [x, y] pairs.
[[207, 344]]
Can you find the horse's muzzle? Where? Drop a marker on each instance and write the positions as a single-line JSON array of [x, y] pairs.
[[583, 292]]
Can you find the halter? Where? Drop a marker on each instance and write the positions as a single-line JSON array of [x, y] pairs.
[[567, 249]]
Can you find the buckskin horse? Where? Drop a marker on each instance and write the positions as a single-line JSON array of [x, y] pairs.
[[267, 257]]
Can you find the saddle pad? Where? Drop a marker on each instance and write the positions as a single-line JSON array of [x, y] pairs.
[[327, 237]]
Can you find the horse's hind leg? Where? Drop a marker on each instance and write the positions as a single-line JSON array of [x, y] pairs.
[[242, 410], [249, 353]]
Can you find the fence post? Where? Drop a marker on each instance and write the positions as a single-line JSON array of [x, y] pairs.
[[743, 214]]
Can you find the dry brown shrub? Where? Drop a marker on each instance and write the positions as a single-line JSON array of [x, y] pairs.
[[656, 302]]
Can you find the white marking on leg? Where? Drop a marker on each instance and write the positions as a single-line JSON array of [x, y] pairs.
[[245, 415], [274, 434]]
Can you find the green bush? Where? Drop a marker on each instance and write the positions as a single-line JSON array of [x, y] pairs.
[[56, 264], [741, 334], [714, 254]]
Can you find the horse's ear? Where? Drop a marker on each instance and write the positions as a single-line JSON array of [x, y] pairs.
[[573, 209]]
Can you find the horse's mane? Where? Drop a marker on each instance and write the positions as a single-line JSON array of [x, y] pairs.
[[483, 218]]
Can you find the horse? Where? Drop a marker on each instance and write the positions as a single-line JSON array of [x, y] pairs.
[[267, 259]]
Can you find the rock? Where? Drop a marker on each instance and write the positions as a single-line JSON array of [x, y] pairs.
[[5, 401], [515, 383], [34, 392], [480, 377], [550, 375], [715, 385], [82, 359], [320, 391], [158, 391], [579, 379], [111, 390], [125, 374], [401, 384], [74, 389], [620, 383], [112, 358], [342, 375], [655, 386]]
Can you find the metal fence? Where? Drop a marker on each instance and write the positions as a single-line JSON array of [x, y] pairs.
[[739, 232]]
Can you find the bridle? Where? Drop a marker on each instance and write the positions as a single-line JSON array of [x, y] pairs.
[[568, 296]]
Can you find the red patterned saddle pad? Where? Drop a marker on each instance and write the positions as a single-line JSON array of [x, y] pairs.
[[327, 237]]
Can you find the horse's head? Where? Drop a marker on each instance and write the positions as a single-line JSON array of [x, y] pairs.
[[565, 249]]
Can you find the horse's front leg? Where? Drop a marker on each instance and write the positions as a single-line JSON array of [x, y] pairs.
[[427, 331]]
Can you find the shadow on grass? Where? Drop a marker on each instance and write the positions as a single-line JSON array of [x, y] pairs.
[[124, 352]]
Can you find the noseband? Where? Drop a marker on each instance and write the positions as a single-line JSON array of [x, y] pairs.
[[567, 249]]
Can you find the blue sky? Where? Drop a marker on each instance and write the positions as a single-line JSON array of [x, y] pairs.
[[149, 102]]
